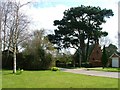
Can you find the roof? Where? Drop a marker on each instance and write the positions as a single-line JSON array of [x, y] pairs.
[[114, 55]]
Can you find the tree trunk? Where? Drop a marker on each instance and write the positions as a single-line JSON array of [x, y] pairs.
[[82, 45], [87, 49], [79, 56], [15, 41], [14, 61], [81, 49]]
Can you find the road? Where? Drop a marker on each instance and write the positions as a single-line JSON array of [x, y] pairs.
[[93, 73]]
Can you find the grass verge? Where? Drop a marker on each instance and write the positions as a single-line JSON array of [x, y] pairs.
[[105, 69]]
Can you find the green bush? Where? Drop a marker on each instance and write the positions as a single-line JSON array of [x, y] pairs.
[[19, 71], [55, 69]]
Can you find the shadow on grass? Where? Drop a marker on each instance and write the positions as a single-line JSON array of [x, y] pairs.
[[11, 73], [17, 73]]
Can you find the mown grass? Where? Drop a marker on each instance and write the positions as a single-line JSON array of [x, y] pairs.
[[0, 79], [105, 69], [52, 79]]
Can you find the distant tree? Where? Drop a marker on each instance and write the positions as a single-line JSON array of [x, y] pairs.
[[111, 49], [63, 60], [77, 25], [104, 58], [38, 51]]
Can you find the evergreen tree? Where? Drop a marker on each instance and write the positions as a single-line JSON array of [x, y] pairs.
[[104, 58], [80, 24]]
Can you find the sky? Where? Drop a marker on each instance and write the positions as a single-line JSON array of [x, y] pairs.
[[42, 13]]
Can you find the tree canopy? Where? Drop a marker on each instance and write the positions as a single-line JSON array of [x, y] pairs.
[[78, 25], [111, 49]]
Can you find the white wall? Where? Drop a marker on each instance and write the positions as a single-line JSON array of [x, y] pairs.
[[115, 62]]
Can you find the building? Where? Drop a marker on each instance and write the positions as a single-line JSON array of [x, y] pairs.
[[96, 56], [115, 60]]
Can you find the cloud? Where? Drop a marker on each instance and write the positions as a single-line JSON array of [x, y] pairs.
[[44, 17]]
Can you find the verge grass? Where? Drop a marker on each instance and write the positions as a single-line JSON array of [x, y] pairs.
[[105, 69], [52, 79]]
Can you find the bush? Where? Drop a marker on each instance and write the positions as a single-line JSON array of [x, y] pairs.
[[37, 61], [19, 71], [55, 69]]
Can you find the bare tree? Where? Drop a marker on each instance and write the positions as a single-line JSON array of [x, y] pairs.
[[0, 41], [37, 40], [14, 24]]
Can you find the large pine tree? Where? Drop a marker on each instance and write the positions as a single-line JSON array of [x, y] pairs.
[[78, 25]]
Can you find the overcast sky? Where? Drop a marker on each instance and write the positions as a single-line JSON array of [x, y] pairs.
[[42, 13]]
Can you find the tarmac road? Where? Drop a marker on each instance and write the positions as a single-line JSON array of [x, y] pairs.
[[93, 73]]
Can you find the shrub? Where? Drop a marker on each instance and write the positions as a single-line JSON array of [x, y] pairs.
[[55, 69], [19, 71]]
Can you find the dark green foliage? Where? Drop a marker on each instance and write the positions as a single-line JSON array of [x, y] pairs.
[[77, 25], [104, 58], [63, 60], [20, 61], [37, 54], [39, 61], [47, 63], [111, 49], [29, 61], [7, 60]]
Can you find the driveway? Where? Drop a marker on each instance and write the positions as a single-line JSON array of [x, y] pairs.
[[92, 73]]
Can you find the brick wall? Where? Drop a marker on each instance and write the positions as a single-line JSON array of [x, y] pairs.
[[96, 55]]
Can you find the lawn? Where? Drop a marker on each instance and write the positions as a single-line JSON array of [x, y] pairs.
[[0, 79], [105, 69], [52, 79]]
